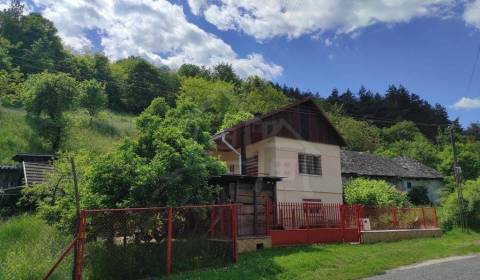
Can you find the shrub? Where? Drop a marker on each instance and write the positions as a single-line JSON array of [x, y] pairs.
[[471, 194], [376, 193], [419, 196]]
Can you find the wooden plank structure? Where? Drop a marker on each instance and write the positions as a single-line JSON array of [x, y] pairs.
[[302, 120], [250, 193]]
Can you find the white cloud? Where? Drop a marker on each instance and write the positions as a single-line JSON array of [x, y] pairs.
[[328, 42], [155, 30], [467, 103], [471, 14], [4, 4], [196, 6], [293, 18]]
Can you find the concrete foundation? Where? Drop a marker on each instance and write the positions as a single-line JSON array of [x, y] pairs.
[[253, 243], [373, 236]]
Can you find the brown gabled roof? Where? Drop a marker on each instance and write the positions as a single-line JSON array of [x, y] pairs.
[[370, 165], [290, 109]]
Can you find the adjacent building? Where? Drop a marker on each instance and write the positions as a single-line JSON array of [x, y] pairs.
[[402, 172]]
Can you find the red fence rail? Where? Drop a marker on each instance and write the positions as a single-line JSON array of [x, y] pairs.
[[137, 243], [398, 218], [298, 215], [293, 223]]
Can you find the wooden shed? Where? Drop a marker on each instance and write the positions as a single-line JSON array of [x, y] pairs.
[[251, 192]]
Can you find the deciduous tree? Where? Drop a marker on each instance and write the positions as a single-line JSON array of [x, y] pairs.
[[47, 97]]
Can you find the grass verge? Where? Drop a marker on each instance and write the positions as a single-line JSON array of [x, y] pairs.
[[29, 247], [342, 261]]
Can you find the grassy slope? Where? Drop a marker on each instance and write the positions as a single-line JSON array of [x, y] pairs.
[[340, 261], [28, 248], [99, 135]]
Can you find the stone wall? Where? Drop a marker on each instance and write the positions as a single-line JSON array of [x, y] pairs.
[[374, 236]]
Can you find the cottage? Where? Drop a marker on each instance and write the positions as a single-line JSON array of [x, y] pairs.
[[296, 143], [404, 173]]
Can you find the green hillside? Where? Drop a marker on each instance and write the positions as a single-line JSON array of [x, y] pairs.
[[99, 135]]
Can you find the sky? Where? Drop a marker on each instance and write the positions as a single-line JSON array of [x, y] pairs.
[[428, 46]]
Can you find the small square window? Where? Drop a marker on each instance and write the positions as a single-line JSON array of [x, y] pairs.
[[309, 164]]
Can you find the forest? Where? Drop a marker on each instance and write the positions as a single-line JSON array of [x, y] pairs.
[[139, 130]]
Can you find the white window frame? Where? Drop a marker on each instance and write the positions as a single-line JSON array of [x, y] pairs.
[[308, 164]]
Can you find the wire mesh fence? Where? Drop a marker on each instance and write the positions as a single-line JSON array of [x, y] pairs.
[[399, 218], [152, 242]]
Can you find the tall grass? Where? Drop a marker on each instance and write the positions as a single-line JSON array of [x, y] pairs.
[[15, 135], [99, 135], [29, 247]]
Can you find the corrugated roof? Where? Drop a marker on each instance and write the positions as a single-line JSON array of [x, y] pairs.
[[35, 172], [367, 164]]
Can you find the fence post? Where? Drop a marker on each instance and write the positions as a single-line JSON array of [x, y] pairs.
[[394, 217], [435, 221], [358, 215], [342, 222], [280, 207], [80, 244], [168, 268], [294, 216], [423, 220], [306, 211], [268, 223], [212, 222], [233, 214]]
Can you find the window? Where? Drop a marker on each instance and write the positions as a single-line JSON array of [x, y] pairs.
[[309, 164]]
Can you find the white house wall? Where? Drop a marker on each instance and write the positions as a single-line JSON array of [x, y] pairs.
[[278, 156], [295, 186]]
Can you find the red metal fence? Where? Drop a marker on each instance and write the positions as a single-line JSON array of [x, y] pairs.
[[304, 223], [399, 218], [150, 242], [144, 243]]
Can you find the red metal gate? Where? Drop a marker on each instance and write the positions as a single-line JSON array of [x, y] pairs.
[[291, 223]]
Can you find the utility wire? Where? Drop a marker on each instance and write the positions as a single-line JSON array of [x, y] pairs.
[[474, 69], [376, 119]]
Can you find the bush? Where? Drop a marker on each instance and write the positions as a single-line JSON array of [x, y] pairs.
[[419, 196], [471, 194], [376, 193]]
